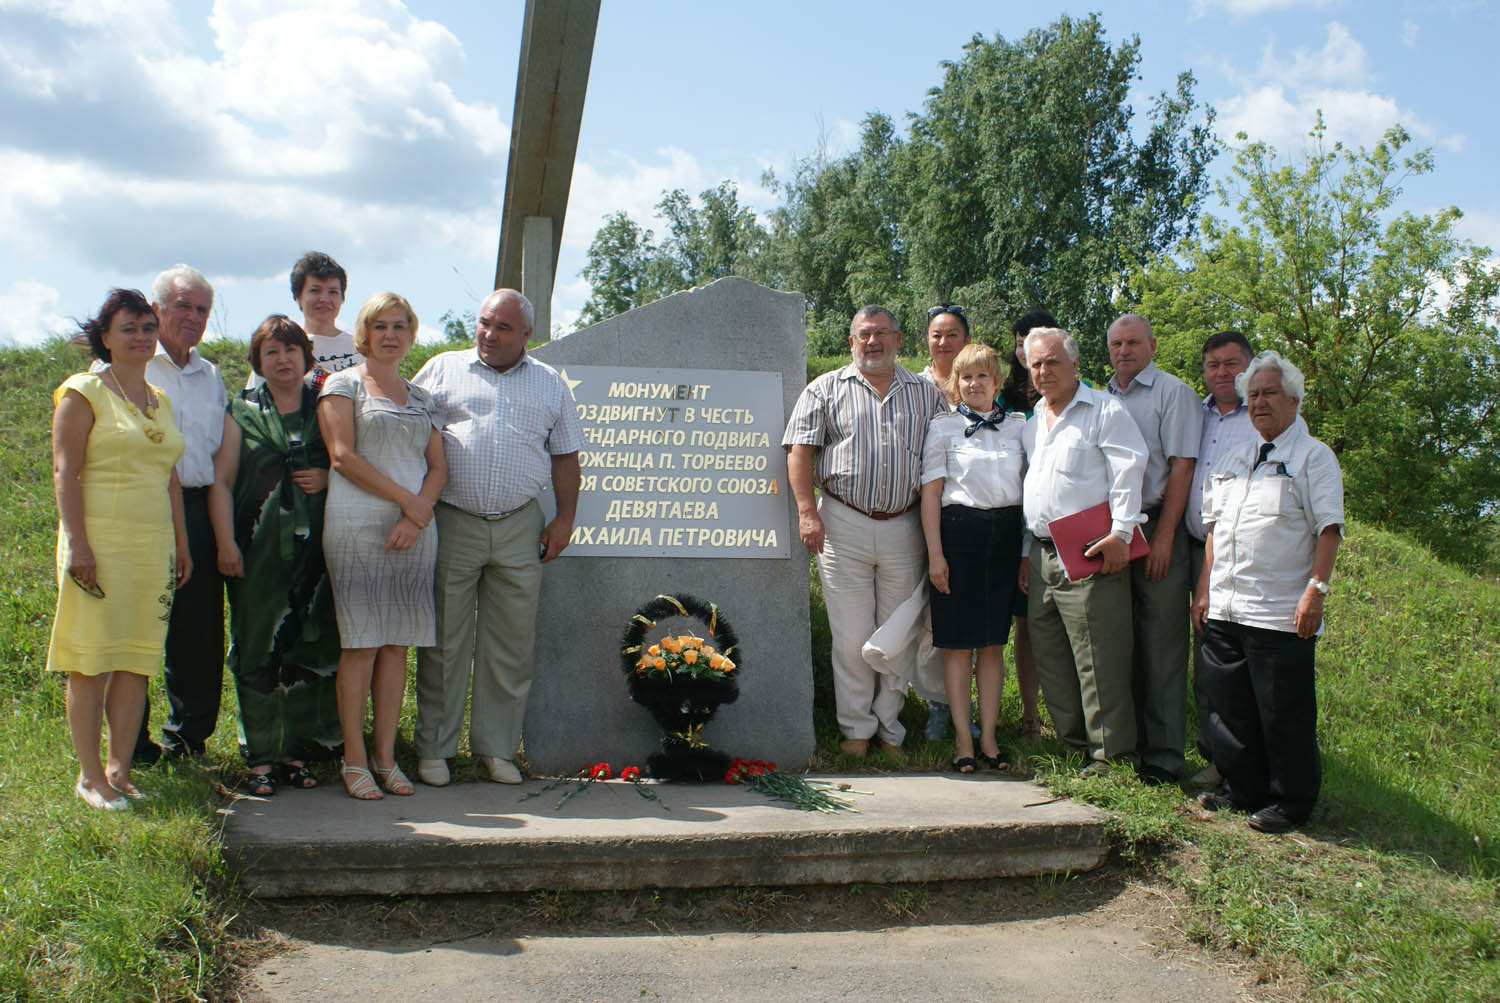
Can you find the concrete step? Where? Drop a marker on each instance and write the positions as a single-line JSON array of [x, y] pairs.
[[481, 837]]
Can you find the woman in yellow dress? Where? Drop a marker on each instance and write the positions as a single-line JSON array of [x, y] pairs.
[[121, 542]]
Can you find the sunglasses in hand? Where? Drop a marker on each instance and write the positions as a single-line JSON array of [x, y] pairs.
[[93, 590]]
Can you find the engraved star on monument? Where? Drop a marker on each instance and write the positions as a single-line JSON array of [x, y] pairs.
[[571, 383]]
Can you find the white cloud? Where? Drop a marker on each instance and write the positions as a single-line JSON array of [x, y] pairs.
[[1342, 59], [1279, 102], [1409, 32], [302, 126], [1481, 226], [29, 313]]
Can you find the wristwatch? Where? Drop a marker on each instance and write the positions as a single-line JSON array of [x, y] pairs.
[[1319, 584]]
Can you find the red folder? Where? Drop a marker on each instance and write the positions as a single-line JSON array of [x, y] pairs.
[[1073, 534]]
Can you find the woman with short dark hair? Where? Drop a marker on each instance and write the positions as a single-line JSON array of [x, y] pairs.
[[266, 503], [121, 541]]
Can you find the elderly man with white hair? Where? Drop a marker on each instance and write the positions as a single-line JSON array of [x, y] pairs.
[[1083, 449], [1274, 511]]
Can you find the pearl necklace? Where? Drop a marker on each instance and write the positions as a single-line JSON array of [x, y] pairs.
[[148, 419]]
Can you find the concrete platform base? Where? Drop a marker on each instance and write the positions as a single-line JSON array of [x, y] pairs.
[[481, 837]]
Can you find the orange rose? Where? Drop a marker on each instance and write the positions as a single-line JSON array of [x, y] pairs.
[[690, 656], [660, 663]]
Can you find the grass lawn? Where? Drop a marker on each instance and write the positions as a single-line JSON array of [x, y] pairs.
[[1392, 892]]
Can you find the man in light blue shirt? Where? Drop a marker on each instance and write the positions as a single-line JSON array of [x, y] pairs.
[[1226, 424]]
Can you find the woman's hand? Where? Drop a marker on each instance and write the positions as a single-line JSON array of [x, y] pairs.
[[1023, 577], [312, 480], [402, 535], [418, 510], [937, 572], [231, 563], [82, 565], [1200, 609], [184, 565]]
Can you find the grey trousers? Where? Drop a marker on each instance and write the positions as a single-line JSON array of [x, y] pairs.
[[1159, 670], [1081, 640], [485, 587]]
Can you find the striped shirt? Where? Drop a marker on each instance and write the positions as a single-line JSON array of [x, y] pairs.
[[870, 446], [500, 430], [1165, 410]]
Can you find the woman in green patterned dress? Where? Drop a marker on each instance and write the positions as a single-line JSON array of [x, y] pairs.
[[266, 503]]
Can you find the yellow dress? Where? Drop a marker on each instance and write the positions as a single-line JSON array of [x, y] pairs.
[[127, 513]]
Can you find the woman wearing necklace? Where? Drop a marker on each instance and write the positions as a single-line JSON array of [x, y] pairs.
[[121, 541], [379, 538], [266, 504]]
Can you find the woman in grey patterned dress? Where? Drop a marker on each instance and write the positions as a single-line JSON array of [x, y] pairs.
[[378, 536]]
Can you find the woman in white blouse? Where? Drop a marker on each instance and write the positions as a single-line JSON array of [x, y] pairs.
[[972, 466]]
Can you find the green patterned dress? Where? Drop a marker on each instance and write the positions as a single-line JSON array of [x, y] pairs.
[[284, 640]]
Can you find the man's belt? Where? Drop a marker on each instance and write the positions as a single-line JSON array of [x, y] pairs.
[[877, 516], [486, 516]]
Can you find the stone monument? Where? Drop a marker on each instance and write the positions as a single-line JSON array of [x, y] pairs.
[[684, 491]]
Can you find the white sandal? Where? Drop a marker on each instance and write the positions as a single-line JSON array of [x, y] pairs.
[[95, 799], [359, 783], [394, 781]]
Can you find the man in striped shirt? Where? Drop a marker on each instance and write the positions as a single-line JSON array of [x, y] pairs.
[[857, 434]]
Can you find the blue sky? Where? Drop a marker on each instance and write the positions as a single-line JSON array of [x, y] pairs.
[[235, 134]]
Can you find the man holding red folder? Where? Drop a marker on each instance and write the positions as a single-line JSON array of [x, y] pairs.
[[1082, 449]]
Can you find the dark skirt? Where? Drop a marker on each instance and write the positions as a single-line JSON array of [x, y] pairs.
[[983, 550]]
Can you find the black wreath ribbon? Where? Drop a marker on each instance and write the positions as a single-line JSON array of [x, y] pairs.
[[681, 704]]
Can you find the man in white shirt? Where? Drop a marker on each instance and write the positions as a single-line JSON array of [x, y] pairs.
[[1275, 513], [1226, 424], [510, 428], [1082, 448], [1165, 409], [194, 658]]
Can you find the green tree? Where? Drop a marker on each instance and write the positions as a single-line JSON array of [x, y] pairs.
[[703, 242], [838, 233], [618, 267], [1027, 186], [1390, 315]]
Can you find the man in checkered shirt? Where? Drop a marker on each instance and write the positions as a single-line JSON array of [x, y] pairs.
[[509, 428]]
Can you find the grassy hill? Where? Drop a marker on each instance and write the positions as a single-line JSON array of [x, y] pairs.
[[1392, 893]]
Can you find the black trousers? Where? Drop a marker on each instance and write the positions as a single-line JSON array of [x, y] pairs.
[[1264, 723], [194, 663]]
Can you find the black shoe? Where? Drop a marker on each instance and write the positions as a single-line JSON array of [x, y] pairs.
[[1273, 820], [146, 753], [1156, 776], [1213, 801]]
